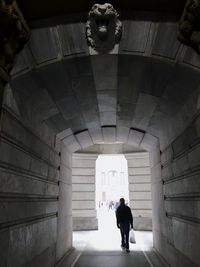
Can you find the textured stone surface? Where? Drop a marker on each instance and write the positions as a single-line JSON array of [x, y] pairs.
[[140, 190], [83, 188], [150, 85]]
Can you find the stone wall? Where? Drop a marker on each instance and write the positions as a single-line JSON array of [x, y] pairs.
[[140, 190], [64, 226], [83, 196], [28, 187], [175, 189], [180, 175]]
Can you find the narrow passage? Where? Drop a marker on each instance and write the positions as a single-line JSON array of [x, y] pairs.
[[102, 248]]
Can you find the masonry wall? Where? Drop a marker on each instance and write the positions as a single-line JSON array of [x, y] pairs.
[[83, 192], [29, 189], [175, 191], [140, 190]]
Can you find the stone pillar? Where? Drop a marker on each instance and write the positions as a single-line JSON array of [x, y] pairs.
[[83, 192], [140, 190], [64, 226]]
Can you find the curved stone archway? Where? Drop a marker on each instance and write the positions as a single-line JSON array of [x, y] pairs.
[[145, 93]]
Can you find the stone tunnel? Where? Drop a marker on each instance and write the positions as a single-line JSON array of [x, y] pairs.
[[62, 101]]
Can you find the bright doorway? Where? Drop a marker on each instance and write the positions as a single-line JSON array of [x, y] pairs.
[[111, 185]]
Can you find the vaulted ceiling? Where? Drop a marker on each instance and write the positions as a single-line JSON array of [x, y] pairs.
[[138, 89]]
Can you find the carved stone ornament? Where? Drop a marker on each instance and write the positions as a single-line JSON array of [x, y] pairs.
[[103, 28], [189, 25], [14, 33]]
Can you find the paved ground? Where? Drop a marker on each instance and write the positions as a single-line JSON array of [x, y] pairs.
[[102, 248]]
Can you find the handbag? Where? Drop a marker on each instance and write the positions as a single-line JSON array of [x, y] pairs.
[[132, 237]]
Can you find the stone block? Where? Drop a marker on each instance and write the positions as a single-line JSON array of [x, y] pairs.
[[18, 210], [139, 196], [142, 224], [148, 142], [40, 40], [159, 48], [122, 134], [71, 143], [167, 172], [83, 204], [145, 108], [136, 179], [142, 213], [193, 157], [156, 174], [109, 134], [77, 43], [84, 163], [180, 165], [64, 236], [84, 224], [141, 204], [187, 185], [65, 175], [139, 171], [183, 207], [135, 137], [167, 155], [135, 35], [65, 200], [84, 213], [26, 242], [83, 179], [83, 171], [83, 187], [84, 139], [12, 182], [104, 80], [140, 187], [185, 235], [65, 157], [83, 195], [140, 162]]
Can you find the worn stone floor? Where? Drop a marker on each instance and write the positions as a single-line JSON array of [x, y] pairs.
[[102, 248]]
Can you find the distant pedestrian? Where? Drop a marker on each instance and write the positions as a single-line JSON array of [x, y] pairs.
[[124, 222]]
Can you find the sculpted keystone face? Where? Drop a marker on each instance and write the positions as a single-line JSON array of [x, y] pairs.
[[103, 28], [103, 16]]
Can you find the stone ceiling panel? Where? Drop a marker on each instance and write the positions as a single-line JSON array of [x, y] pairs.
[[109, 134], [69, 107], [122, 134], [135, 36], [84, 89], [108, 118], [71, 143], [107, 100], [84, 139], [145, 109], [135, 137], [58, 122], [56, 81], [73, 39], [105, 71], [96, 134], [169, 37], [44, 44]]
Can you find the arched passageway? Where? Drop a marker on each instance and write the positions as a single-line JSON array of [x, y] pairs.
[[63, 98]]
